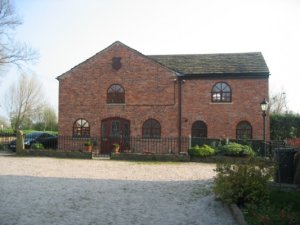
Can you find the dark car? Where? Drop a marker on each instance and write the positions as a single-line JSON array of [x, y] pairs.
[[46, 139]]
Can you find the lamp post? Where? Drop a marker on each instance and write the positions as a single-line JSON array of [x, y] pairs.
[[264, 107]]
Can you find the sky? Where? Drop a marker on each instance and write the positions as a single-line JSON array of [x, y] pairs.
[[67, 32]]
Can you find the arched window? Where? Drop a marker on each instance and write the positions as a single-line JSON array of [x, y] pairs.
[[199, 129], [81, 128], [151, 129], [244, 130], [115, 94], [221, 92]]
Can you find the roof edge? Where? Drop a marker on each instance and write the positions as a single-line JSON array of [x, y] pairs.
[[105, 49]]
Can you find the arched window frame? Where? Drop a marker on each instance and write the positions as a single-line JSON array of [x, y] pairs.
[[221, 92], [199, 129], [244, 130], [115, 94], [81, 128], [151, 129]]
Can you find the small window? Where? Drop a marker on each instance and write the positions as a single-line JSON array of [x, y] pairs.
[[151, 129], [81, 128], [221, 92], [115, 94], [199, 129], [244, 130]]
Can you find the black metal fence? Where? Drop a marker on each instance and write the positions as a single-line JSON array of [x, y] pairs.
[[5, 139], [127, 144], [137, 144]]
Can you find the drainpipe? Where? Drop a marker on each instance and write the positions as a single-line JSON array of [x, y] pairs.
[[180, 81]]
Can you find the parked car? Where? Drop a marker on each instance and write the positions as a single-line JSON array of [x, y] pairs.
[[46, 139]]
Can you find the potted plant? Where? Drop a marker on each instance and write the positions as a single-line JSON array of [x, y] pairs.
[[116, 148], [88, 146]]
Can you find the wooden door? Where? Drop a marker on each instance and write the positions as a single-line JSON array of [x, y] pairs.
[[114, 130]]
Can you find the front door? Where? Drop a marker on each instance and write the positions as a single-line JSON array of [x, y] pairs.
[[114, 130]]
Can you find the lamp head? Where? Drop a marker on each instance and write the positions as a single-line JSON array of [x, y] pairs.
[[264, 105]]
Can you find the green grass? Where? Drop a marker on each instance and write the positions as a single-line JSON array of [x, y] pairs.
[[283, 207]]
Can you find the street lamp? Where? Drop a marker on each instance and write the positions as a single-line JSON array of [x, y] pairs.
[[264, 107]]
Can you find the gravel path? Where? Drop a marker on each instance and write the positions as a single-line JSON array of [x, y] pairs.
[[40, 191]]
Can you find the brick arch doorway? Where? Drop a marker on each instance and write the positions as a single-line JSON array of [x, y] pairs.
[[114, 130]]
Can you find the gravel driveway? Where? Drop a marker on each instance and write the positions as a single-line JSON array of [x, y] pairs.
[[40, 191]]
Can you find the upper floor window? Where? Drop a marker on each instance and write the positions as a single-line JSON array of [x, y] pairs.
[[199, 129], [244, 130], [221, 92], [81, 128], [115, 94], [151, 129]]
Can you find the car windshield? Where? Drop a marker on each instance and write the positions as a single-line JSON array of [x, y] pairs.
[[33, 135]]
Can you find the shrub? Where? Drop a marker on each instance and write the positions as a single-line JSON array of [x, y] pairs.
[[242, 183], [247, 151], [203, 151], [88, 143], [235, 149], [282, 208], [37, 146]]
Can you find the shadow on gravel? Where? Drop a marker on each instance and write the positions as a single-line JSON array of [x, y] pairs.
[[37, 200]]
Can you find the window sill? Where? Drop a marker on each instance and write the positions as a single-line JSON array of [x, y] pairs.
[[115, 104], [221, 103]]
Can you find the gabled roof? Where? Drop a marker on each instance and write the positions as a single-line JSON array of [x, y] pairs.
[[229, 63], [202, 64], [116, 43]]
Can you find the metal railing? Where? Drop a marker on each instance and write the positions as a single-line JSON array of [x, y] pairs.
[[5, 139]]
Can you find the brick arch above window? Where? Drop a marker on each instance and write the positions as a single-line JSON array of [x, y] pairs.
[[199, 129], [81, 128], [221, 92], [151, 129], [115, 94], [244, 130]]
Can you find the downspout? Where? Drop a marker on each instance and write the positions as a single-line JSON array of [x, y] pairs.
[[179, 79]]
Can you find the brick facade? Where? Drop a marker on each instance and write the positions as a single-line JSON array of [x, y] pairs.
[[152, 92]]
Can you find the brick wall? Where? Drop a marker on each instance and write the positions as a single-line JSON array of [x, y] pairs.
[[222, 118], [151, 92]]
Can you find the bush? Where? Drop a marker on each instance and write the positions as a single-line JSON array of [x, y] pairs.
[[203, 151], [235, 149], [37, 146], [242, 183], [283, 207]]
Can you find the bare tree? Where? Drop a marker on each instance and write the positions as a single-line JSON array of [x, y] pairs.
[[278, 102], [46, 119], [24, 100], [12, 52]]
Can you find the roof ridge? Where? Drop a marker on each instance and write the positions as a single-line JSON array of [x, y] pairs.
[[195, 54]]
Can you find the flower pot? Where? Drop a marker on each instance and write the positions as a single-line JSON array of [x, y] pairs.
[[116, 150], [88, 148]]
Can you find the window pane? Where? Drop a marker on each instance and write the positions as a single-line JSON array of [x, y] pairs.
[[221, 92], [244, 130], [199, 129], [81, 128], [115, 94], [151, 129]]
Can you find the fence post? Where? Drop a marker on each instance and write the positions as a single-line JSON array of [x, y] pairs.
[[20, 141]]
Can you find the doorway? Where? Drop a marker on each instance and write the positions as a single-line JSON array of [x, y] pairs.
[[114, 131]]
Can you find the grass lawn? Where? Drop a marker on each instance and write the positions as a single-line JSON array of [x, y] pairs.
[[283, 208]]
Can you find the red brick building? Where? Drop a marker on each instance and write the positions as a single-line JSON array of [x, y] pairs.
[[121, 92]]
